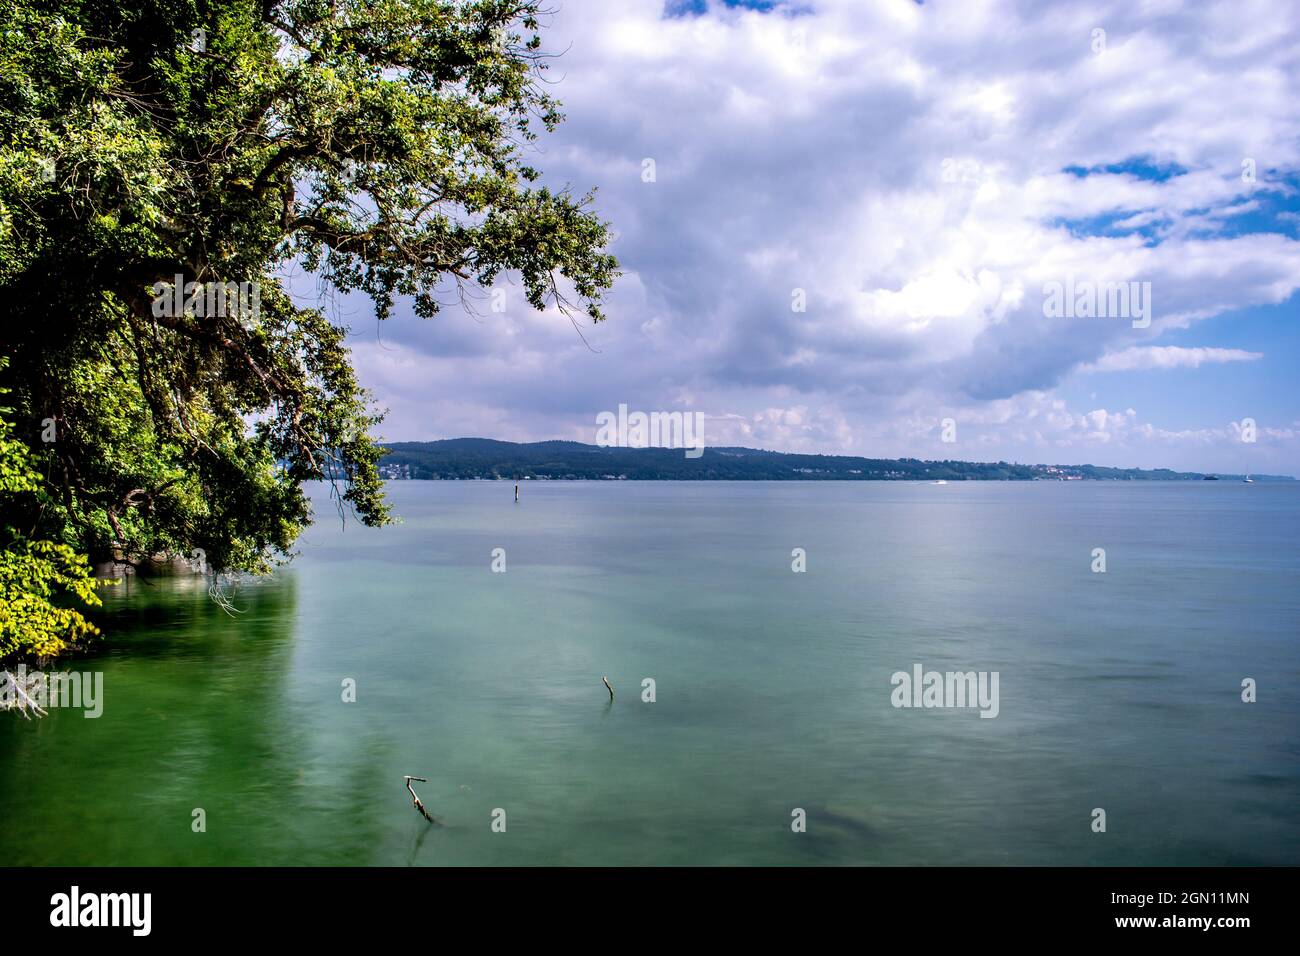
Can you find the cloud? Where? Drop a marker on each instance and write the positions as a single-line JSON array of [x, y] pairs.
[[1167, 356], [918, 173]]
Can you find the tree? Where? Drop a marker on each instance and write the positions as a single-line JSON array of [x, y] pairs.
[[36, 574], [161, 161]]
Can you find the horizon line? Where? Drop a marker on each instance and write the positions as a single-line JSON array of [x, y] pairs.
[[817, 454]]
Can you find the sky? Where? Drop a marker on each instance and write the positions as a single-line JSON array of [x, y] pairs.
[[919, 178]]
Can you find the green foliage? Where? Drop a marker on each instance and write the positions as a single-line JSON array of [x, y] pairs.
[[378, 142], [34, 575]]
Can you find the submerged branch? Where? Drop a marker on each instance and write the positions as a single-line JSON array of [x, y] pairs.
[[24, 700], [415, 797]]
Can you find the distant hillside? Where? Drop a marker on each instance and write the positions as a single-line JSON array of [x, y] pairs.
[[484, 458]]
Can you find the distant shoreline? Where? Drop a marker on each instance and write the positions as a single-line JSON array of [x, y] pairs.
[[484, 459]]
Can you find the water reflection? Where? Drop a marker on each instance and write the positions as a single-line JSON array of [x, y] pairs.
[[197, 716], [774, 688]]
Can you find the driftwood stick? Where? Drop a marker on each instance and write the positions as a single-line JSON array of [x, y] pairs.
[[24, 699], [418, 805], [608, 687]]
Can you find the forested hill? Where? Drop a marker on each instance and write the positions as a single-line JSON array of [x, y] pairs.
[[484, 458]]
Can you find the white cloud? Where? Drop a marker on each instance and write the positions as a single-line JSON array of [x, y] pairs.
[[905, 166], [1167, 356]]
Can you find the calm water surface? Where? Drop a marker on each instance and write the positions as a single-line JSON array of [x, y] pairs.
[[1118, 690]]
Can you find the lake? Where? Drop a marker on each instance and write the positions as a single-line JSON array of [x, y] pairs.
[[773, 689]]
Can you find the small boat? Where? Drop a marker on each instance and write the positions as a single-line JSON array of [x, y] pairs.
[[1248, 480], [939, 482], [1210, 478]]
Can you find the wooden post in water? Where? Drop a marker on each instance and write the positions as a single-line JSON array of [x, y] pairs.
[[608, 687]]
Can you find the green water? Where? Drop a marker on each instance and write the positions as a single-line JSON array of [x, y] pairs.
[[1118, 690]]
